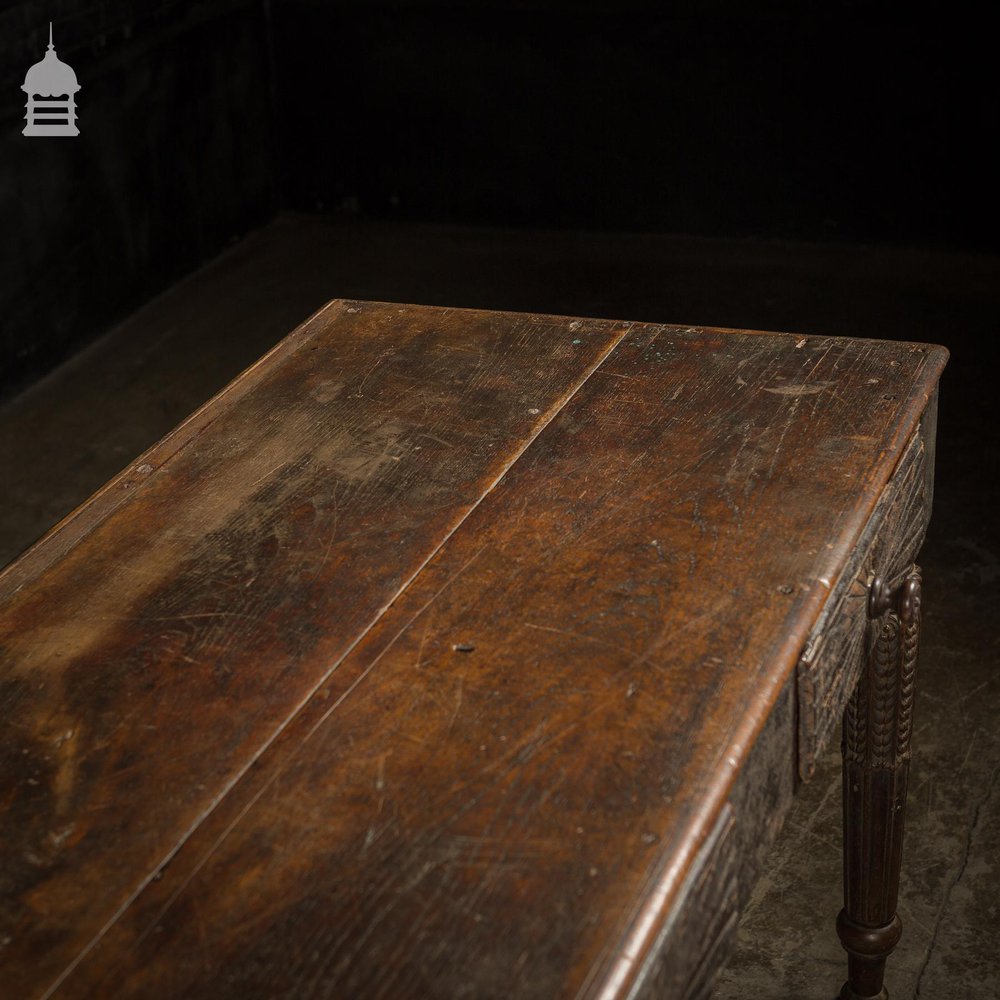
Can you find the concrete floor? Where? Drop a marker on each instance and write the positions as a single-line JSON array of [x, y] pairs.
[[69, 433]]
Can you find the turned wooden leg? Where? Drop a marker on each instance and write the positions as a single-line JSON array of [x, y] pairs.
[[878, 724]]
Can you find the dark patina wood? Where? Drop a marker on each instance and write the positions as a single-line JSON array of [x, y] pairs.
[[699, 935], [878, 726], [448, 654], [831, 663], [190, 609]]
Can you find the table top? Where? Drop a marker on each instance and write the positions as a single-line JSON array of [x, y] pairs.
[[422, 660]]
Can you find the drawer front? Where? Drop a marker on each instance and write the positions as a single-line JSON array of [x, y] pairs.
[[830, 665], [699, 936]]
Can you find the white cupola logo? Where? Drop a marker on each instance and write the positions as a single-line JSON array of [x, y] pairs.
[[51, 88]]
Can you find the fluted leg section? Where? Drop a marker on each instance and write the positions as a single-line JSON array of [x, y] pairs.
[[878, 724]]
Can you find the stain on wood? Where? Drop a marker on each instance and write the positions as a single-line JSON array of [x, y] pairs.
[[157, 642], [429, 662]]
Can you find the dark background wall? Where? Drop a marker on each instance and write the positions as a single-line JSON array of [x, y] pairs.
[[174, 159], [839, 121]]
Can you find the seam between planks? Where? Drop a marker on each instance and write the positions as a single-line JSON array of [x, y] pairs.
[[554, 410]]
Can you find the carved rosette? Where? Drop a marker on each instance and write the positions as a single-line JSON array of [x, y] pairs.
[[878, 725]]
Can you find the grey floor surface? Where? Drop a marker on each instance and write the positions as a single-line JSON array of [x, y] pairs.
[[68, 434]]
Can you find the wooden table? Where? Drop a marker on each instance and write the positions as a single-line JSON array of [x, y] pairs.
[[450, 653]]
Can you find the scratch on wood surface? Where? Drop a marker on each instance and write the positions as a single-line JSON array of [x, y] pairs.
[[379, 360], [267, 474], [458, 703], [562, 631], [641, 658], [789, 420], [434, 437], [333, 530], [190, 616], [423, 642], [798, 390], [819, 361]]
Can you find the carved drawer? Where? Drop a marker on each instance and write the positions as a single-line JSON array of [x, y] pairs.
[[830, 664]]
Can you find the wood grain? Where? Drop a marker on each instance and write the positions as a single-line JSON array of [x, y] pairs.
[[699, 934], [831, 662], [502, 787], [162, 636]]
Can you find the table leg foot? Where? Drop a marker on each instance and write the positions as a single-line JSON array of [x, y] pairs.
[[848, 994], [878, 724]]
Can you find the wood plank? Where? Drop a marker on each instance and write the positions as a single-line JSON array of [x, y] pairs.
[[699, 934], [831, 662], [504, 784], [155, 642]]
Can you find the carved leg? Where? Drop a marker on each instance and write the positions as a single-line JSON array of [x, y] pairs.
[[876, 751]]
